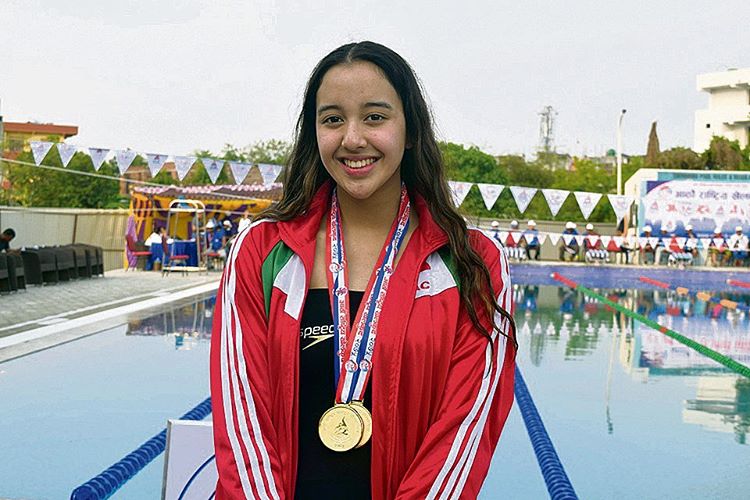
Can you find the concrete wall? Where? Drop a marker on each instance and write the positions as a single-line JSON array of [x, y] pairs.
[[62, 226]]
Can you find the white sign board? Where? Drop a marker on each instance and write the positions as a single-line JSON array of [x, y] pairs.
[[189, 462]]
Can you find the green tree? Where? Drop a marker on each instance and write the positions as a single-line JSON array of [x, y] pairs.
[[41, 187], [680, 158], [723, 154], [273, 151], [472, 165]]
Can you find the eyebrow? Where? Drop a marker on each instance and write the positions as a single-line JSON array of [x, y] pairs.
[[373, 104]]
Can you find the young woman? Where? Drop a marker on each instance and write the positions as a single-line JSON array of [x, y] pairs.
[[362, 343]]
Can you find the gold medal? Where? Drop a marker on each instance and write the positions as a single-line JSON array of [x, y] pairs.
[[341, 427], [366, 417]]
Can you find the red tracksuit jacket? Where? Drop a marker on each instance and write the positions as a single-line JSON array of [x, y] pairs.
[[441, 393]]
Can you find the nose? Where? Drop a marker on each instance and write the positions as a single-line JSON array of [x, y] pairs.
[[353, 137]]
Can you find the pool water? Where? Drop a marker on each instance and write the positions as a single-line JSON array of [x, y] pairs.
[[631, 413]]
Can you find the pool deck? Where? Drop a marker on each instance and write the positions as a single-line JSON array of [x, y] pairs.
[[43, 316]]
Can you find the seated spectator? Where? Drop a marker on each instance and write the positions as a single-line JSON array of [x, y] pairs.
[[677, 256], [531, 240], [570, 248], [593, 246], [647, 249], [245, 221], [738, 246], [495, 225], [718, 252], [154, 237], [691, 242], [5, 239], [661, 253], [513, 249]]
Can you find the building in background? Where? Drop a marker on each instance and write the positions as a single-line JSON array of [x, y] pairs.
[[16, 136], [728, 113]]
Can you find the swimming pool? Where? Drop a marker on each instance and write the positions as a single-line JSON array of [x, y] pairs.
[[631, 413]]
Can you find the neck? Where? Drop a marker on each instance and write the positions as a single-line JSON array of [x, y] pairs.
[[374, 213]]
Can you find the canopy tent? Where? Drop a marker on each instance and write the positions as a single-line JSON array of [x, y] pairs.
[[149, 205]]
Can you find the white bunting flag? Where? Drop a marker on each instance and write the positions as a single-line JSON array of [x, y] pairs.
[[459, 190], [593, 240], [718, 241], [653, 241], [620, 204], [568, 238], [542, 238], [503, 237], [605, 240], [155, 163], [516, 235], [642, 240], [579, 239], [522, 196], [587, 201], [40, 149], [490, 193], [554, 238], [239, 170], [269, 173], [124, 159], [680, 241], [182, 165], [618, 240], [97, 157], [555, 199], [705, 242], [213, 167], [66, 152]]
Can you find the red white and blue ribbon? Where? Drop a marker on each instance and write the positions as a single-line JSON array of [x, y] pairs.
[[352, 363]]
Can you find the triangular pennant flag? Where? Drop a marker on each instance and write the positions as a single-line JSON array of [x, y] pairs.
[[269, 173], [705, 242], [653, 241], [124, 159], [182, 165], [39, 149], [642, 241], [718, 241], [97, 157], [605, 240], [587, 201], [239, 170], [555, 199], [66, 152], [522, 196], [459, 190], [567, 238], [680, 241], [516, 235], [155, 163], [503, 236], [579, 238], [490, 193], [213, 168], [618, 240], [542, 238], [665, 241], [593, 240], [554, 238], [620, 204]]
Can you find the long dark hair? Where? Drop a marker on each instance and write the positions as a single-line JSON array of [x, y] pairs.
[[422, 170]]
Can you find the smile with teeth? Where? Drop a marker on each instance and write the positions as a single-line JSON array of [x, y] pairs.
[[359, 163]]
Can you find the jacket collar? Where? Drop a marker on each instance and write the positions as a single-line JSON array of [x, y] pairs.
[[300, 233]]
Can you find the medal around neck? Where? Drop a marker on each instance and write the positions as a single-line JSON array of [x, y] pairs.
[[348, 424]]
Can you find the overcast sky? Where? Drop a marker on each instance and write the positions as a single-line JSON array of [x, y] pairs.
[[172, 76]]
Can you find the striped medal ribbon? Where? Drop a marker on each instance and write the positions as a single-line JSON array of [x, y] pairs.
[[348, 424]]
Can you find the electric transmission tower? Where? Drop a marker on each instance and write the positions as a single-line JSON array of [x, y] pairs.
[[547, 129]]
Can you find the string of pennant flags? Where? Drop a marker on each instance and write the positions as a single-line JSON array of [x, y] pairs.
[[490, 192], [554, 197], [124, 159], [517, 235]]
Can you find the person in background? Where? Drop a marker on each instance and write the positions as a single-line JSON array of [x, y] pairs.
[[718, 252], [691, 241], [738, 246], [228, 236], [154, 237], [569, 249], [647, 249], [245, 222], [531, 240], [5, 238], [662, 252], [513, 247], [593, 246]]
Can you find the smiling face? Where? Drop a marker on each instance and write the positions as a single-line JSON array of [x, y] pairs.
[[361, 131]]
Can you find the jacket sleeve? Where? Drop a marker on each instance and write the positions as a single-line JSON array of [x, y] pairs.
[[247, 459], [455, 455]]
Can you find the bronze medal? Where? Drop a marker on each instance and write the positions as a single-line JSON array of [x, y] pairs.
[[341, 427]]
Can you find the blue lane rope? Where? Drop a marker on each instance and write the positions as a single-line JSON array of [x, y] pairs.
[[115, 476], [558, 483]]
